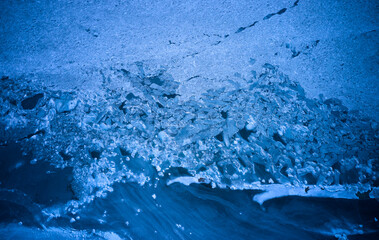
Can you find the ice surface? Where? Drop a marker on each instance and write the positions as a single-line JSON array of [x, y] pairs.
[[329, 47], [90, 91], [257, 135]]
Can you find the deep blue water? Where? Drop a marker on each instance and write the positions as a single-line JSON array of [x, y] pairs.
[[175, 212]]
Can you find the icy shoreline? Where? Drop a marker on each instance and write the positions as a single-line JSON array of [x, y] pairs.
[[137, 128]]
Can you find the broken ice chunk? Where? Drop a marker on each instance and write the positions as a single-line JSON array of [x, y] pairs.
[[163, 136], [202, 146], [65, 104], [231, 128], [251, 124], [226, 138]]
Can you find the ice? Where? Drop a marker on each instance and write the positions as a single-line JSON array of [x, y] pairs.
[[64, 104], [276, 191], [184, 180], [259, 134]]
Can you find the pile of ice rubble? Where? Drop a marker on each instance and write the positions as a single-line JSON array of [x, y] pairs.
[[265, 134]]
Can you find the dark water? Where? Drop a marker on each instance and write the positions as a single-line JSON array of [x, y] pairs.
[[158, 211]]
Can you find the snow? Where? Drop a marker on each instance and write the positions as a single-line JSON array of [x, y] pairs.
[[74, 49]]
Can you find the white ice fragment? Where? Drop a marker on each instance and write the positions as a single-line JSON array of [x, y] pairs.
[[282, 130], [251, 123], [202, 146], [183, 180], [280, 190], [186, 141], [163, 136], [110, 236], [65, 105], [226, 138], [154, 196]]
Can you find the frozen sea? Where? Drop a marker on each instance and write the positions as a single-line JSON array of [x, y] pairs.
[[189, 119]]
